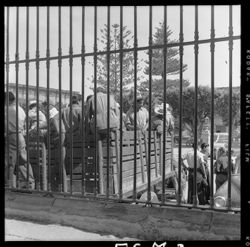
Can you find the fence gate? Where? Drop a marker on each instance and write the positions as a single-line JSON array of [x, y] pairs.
[[118, 164]]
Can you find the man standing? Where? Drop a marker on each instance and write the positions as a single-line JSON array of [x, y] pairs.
[[201, 179], [14, 129], [76, 130], [102, 113], [205, 152], [76, 116], [142, 115], [221, 167], [56, 146]]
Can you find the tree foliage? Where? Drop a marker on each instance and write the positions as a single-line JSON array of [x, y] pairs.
[[114, 65], [222, 108], [188, 107], [172, 59]]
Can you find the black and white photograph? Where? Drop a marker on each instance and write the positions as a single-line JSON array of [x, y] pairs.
[[126, 125]]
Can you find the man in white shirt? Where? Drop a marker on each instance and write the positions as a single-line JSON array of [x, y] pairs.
[[101, 113], [206, 155], [13, 129], [201, 179]]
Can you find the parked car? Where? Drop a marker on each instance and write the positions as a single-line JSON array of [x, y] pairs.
[[189, 141], [221, 195]]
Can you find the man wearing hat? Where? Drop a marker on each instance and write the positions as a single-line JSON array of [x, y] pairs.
[[33, 118], [142, 115], [201, 179], [157, 120]]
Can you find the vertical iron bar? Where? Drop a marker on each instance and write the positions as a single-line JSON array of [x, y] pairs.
[[135, 101], [17, 77], [95, 102], [180, 106], [108, 99], [83, 114], [48, 106], [37, 94], [27, 92], [61, 158], [70, 96], [150, 102], [196, 37], [230, 103], [7, 100], [212, 49], [121, 98], [164, 102]]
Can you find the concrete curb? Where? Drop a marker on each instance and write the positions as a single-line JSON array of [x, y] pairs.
[[124, 220]]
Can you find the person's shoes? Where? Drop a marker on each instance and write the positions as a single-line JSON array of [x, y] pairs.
[[30, 187]]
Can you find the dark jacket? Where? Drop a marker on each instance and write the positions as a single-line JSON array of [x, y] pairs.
[[76, 118], [55, 130]]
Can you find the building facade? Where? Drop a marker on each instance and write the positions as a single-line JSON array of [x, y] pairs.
[[32, 91]]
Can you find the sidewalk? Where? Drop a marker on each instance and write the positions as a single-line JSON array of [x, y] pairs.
[[16, 230]]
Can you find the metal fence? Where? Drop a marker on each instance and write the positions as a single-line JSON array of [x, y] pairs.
[[115, 141]]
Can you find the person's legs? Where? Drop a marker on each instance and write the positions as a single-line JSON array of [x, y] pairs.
[[11, 161], [62, 171], [201, 190], [59, 173], [200, 194], [220, 179], [11, 167], [23, 163], [190, 187], [207, 188]]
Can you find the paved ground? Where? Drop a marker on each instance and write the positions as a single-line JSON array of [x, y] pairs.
[[16, 230]]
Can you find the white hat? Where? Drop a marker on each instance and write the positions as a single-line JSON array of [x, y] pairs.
[[32, 102], [53, 112], [159, 109]]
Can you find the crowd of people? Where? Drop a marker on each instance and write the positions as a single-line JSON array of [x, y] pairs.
[[203, 171], [59, 129]]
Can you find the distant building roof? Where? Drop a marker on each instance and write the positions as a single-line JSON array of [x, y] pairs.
[[40, 88]]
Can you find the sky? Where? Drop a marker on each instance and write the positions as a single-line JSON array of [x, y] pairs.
[[173, 21]]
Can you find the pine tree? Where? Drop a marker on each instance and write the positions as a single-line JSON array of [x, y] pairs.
[[172, 65], [173, 62], [127, 59]]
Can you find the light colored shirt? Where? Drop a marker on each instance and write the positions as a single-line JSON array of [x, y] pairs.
[[169, 121], [102, 111], [142, 117], [12, 118], [189, 157]]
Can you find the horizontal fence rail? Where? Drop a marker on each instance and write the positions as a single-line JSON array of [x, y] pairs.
[[92, 148]]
